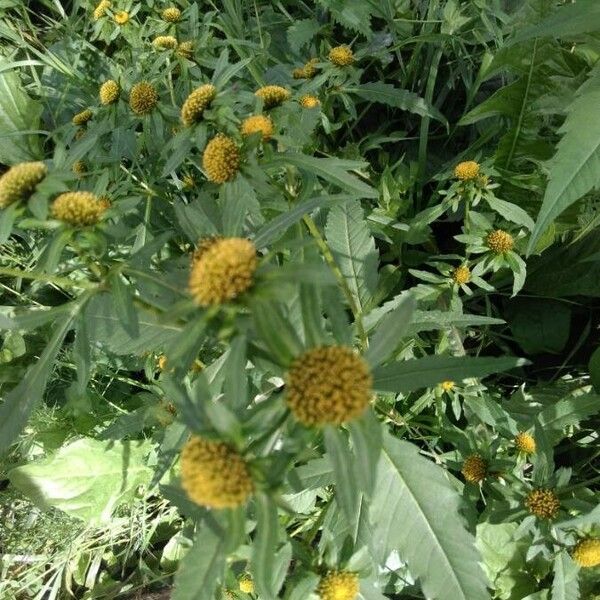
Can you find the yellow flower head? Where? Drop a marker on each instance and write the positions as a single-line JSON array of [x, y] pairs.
[[447, 385], [499, 241], [467, 170], [171, 14], [20, 181], [308, 71], [121, 17], [221, 159], [165, 42], [273, 95], [339, 585], [222, 269], [309, 101], [461, 275], [587, 553], [328, 385], [543, 503], [246, 585], [186, 49], [82, 117], [474, 468], [109, 92], [342, 56], [214, 475], [77, 208], [525, 442], [258, 124], [196, 103], [143, 98], [79, 167], [100, 10]]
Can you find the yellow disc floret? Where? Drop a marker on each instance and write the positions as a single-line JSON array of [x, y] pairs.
[[246, 585], [543, 503], [78, 208], [100, 10], [328, 385], [143, 98], [196, 103], [339, 585], [221, 159], [587, 553], [308, 71], [499, 241], [79, 167], [222, 270], [82, 117], [273, 95], [109, 92], [447, 385], [214, 475], [309, 101], [171, 14], [461, 275], [467, 170], [121, 17], [342, 56], [19, 182], [525, 443], [474, 468], [258, 124], [186, 49], [165, 42]]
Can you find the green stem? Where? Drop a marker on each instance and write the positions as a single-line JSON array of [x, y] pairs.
[[59, 281]]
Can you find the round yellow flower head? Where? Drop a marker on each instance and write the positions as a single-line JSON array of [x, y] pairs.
[[165, 42], [339, 585], [474, 468], [258, 124], [543, 503], [342, 56], [82, 117], [214, 475], [221, 159], [525, 443], [100, 10], [171, 14], [121, 17], [79, 167], [499, 241], [246, 585], [143, 98], [447, 385], [587, 553], [328, 385], [222, 269], [186, 49], [309, 101], [461, 275], [196, 103], [20, 181], [273, 95], [161, 362], [467, 170], [77, 208], [308, 71], [109, 92]]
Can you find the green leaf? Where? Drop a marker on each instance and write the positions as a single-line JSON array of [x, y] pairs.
[[366, 436], [354, 250], [264, 546], [511, 212], [416, 511], [124, 308], [594, 369], [301, 33], [385, 93], [565, 585], [352, 14], [87, 479], [575, 169], [568, 411], [429, 371]]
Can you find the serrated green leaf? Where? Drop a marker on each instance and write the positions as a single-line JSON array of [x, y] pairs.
[[301, 33], [353, 14], [565, 585]]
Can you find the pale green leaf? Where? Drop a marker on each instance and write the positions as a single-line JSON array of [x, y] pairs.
[[565, 585]]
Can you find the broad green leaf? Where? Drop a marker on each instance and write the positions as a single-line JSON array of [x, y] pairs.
[[87, 479], [301, 33], [429, 371], [366, 437], [565, 585], [354, 250], [352, 14], [416, 511], [568, 411], [123, 302], [511, 212], [265, 544], [575, 169], [385, 93], [236, 382], [594, 369]]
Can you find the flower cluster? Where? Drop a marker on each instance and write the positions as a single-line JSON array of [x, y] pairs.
[[461, 275], [20, 181], [143, 98], [221, 159], [467, 170], [246, 584], [109, 92], [273, 95], [308, 101], [525, 443], [308, 71], [82, 117], [78, 208], [499, 241], [342, 56], [542, 503], [101, 9], [474, 468], [171, 14], [339, 585], [196, 103], [258, 124], [587, 553], [165, 42]]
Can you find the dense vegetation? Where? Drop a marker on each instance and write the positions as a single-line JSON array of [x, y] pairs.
[[300, 299]]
